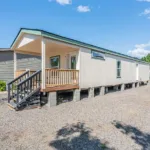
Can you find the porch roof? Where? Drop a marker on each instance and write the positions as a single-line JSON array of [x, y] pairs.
[[73, 42], [5, 49]]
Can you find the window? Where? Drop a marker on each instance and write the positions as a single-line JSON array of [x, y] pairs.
[[118, 69], [97, 55], [55, 62]]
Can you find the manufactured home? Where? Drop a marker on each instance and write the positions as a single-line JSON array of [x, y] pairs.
[[68, 64], [23, 62]]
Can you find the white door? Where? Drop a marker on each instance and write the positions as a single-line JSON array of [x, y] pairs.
[[72, 61], [137, 72]]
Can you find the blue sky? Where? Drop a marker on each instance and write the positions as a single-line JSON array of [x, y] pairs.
[[119, 25]]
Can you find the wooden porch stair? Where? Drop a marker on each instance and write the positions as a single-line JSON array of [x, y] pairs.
[[26, 89]]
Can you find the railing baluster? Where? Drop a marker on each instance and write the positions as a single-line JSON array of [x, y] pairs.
[[66, 78], [69, 77], [72, 77], [69, 82], [36, 81], [77, 78], [17, 95], [39, 80], [50, 77], [55, 77], [71, 73], [31, 85], [63, 77], [60, 77], [8, 93]]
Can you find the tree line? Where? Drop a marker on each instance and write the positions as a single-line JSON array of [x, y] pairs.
[[146, 58]]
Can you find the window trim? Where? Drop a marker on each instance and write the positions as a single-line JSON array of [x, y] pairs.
[[58, 64], [100, 58], [118, 68]]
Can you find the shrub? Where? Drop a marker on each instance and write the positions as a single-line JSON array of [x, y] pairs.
[[2, 86]]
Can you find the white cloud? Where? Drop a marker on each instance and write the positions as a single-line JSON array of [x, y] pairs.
[[143, 0], [140, 50], [63, 2], [83, 8], [146, 13]]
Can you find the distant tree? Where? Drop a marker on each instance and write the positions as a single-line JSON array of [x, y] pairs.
[[146, 58]]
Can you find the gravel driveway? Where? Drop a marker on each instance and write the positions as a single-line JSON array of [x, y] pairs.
[[119, 120]]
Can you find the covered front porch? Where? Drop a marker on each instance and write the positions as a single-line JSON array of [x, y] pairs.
[[59, 61]]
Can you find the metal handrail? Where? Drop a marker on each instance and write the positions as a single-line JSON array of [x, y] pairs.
[[14, 80], [29, 77], [10, 85], [28, 86]]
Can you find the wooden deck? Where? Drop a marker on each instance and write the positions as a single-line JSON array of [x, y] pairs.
[[60, 88]]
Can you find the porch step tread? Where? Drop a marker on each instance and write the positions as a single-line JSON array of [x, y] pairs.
[[12, 104]]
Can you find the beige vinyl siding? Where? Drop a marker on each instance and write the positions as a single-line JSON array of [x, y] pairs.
[[96, 72], [143, 72]]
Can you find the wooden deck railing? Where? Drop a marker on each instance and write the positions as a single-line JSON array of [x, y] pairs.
[[20, 72], [61, 77]]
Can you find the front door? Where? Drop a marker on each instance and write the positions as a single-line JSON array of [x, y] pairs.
[[137, 72], [73, 62]]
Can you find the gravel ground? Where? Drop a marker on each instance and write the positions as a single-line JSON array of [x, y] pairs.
[[3, 95], [119, 120]]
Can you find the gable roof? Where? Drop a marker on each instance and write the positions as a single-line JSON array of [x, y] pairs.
[[73, 42]]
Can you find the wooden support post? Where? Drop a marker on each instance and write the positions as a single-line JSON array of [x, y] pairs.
[[43, 52], [15, 64]]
